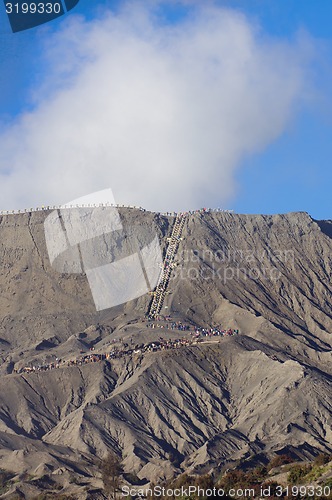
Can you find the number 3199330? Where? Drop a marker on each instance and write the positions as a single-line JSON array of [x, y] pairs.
[[33, 8]]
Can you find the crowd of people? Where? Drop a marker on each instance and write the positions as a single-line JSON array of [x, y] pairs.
[[195, 331], [159, 345], [91, 357], [196, 335]]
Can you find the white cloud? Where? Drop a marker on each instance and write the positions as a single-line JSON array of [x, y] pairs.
[[161, 114]]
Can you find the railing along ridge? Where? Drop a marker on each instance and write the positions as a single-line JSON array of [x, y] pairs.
[[115, 205]]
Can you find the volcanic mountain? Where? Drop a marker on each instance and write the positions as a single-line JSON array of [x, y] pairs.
[[200, 407]]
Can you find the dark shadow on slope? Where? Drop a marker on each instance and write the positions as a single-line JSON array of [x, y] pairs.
[[325, 227], [46, 344], [12, 425], [172, 454], [311, 342], [304, 451], [251, 344]]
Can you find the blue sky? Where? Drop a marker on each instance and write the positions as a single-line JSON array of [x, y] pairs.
[[290, 170]]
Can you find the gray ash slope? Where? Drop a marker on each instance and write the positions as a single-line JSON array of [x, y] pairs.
[[266, 390]]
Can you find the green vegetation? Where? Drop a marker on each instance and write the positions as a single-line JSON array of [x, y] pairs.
[[297, 473], [315, 473], [299, 477], [309, 473], [260, 477], [111, 469], [279, 460], [322, 459], [5, 481]]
